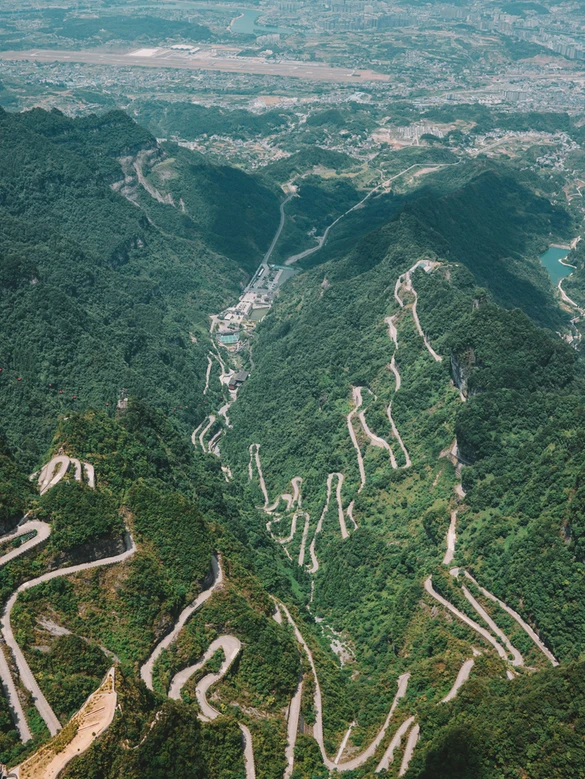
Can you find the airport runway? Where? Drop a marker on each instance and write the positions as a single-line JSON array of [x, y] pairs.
[[203, 60]]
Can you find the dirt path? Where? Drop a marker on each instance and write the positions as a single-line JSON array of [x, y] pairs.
[[93, 719], [148, 667]]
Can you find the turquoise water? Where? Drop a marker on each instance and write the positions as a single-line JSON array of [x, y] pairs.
[[246, 23], [550, 260]]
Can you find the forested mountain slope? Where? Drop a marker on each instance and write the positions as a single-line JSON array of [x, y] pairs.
[[366, 372], [368, 560], [99, 295]]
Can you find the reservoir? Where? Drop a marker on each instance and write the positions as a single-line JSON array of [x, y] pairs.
[[550, 260], [245, 22]]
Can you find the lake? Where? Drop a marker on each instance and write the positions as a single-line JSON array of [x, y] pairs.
[[550, 260], [245, 22]]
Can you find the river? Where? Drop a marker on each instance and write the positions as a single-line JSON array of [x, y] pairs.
[[245, 22], [551, 261]]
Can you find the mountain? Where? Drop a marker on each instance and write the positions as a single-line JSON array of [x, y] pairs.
[[102, 292], [368, 561]]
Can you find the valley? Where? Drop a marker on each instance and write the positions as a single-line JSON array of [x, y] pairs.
[[291, 391]]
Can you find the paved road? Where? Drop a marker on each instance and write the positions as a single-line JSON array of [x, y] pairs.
[[374, 439], [314, 561], [393, 335], [359, 760], [148, 667], [248, 752], [42, 531], [451, 539], [323, 239], [517, 658], [24, 670], [514, 614], [388, 756], [272, 246], [462, 677], [464, 618], [207, 374], [231, 647], [294, 713], [409, 749], [204, 431], [357, 399], [53, 472], [427, 266]]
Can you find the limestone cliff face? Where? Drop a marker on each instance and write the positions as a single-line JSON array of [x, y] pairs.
[[86, 553], [461, 366]]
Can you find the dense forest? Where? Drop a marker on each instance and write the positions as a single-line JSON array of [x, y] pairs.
[[97, 295]]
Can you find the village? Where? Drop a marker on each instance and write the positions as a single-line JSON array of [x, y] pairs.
[[234, 326]]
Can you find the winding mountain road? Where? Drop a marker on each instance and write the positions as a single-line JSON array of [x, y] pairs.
[[374, 439], [52, 473], [231, 646], [357, 401], [451, 539], [24, 670], [170, 638], [204, 431], [359, 760], [517, 658], [208, 373], [428, 585], [322, 239], [514, 614], [388, 756], [462, 677]]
